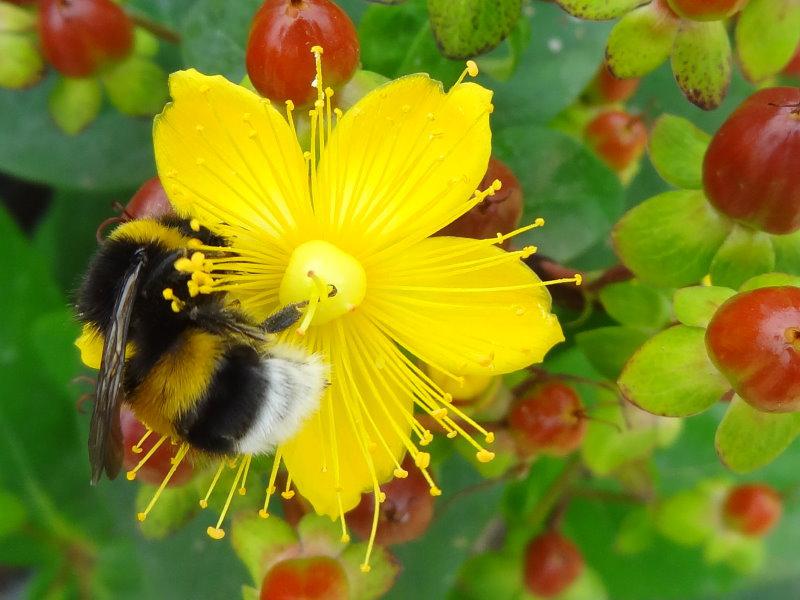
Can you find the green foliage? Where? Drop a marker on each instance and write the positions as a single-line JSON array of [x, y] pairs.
[[694, 306], [636, 304], [680, 250], [74, 103], [744, 254], [671, 374], [701, 62], [676, 149], [640, 42], [609, 348], [748, 439], [767, 35], [578, 197], [598, 10], [136, 87], [465, 28]]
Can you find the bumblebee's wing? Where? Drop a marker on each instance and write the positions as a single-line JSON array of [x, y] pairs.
[[105, 434]]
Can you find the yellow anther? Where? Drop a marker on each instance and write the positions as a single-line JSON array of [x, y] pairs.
[[484, 456], [194, 225], [329, 92], [382, 497], [435, 491], [287, 494], [497, 185], [490, 437], [215, 533], [400, 473], [439, 413], [316, 50], [578, 279], [263, 514], [345, 538], [451, 434], [422, 460], [168, 294], [365, 568], [539, 222], [472, 68]]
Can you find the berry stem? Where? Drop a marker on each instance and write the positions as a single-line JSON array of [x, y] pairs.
[[549, 501], [157, 29]]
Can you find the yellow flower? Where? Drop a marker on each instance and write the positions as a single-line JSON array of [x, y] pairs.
[[355, 215]]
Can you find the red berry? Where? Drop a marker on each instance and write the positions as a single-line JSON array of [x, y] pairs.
[[618, 138], [279, 59], [706, 10], [315, 578], [157, 466], [150, 200], [552, 564], [80, 36], [607, 89], [752, 509], [499, 213], [754, 340], [751, 170], [405, 514], [550, 421]]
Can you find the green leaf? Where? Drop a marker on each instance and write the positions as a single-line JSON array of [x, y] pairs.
[[22, 64], [694, 306], [702, 62], [539, 89], [640, 41], [578, 196], [383, 571], [74, 103], [12, 514], [770, 280], [787, 252], [116, 152], [258, 541], [743, 553], [748, 439], [609, 348], [214, 34], [767, 34], [606, 448], [491, 575], [320, 532], [598, 10], [15, 19], [688, 517], [636, 304], [502, 62], [136, 86], [635, 533], [745, 254], [588, 586], [466, 28], [670, 240], [671, 375], [175, 507], [677, 148]]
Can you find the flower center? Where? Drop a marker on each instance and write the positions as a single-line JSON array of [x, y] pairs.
[[332, 281]]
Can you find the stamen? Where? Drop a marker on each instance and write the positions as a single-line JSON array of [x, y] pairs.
[[276, 463], [288, 492], [503, 237], [204, 500], [471, 70], [217, 533], [181, 454], [131, 475], [242, 487], [289, 118], [137, 448]]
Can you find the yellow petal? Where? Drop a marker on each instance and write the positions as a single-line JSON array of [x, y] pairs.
[[358, 437], [403, 162], [463, 306], [90, 344], [226, 156]]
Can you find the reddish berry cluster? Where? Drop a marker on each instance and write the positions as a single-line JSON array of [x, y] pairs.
[[549, 421], [79, 37], [752, 509], [552, 564], [617, 137]]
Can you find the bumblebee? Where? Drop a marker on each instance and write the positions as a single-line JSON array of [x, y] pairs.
[[194, 368]]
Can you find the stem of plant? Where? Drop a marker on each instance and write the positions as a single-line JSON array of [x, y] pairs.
[[549, 501], [157, 29]]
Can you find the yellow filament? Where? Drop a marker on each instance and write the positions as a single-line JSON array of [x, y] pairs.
[[288, 492], [137, 448], [217, 533], [276, 463], [204, 501], [289, 118], [131, 475], [242, 487], [181, 454]]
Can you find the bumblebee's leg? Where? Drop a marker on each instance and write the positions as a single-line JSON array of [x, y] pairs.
[[284, 317], [288, 315], [214, 319]]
